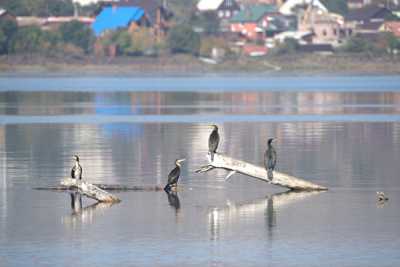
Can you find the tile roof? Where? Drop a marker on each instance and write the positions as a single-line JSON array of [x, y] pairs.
[[253, 13]]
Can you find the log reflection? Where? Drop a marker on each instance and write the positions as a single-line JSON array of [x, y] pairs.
[[219, 217], [83, 214]]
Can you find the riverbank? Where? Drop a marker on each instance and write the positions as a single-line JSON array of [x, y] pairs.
[[183, 64]]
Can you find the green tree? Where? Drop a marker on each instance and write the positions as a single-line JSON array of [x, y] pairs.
[[8, 29], [393, 43], [182, 39], [207, 21], [39, 7], [78, 34], [60, 7], [28, 40]]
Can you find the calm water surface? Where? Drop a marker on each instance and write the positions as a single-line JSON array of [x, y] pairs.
[[340, 132]]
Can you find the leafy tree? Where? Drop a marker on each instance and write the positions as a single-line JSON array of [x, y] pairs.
[[182, 39], [60, 7], [78, 34], [142, 41], [207, 21], [28, 40], [7, 30], [336, 6], [393, 43], [39, 7]]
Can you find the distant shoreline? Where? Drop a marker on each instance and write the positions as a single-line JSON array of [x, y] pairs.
[[306, 64]]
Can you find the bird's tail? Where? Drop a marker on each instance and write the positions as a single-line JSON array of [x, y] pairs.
[[270, 174], [212, 156]]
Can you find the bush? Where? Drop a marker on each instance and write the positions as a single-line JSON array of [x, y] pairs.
[[289, 46], [182, 39], [78, 34], [207, 21]]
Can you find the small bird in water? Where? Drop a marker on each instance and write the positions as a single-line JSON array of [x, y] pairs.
[[213, 141], [173, 176], [270, 159], [76, 171], [381, 196]]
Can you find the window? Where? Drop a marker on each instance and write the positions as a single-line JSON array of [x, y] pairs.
[[324, 32], [334, 32], [221, 14], [227, 13]]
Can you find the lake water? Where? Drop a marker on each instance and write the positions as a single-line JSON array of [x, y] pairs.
[[340, 132]]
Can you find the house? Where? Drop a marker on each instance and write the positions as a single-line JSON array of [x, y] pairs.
[[156, 12], [327, 28], [113, 18], [391, 26], [289, 7], [252, 22], [254, 50], [225, 9], [368, 19]]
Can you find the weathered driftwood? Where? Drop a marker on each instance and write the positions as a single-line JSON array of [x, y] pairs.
[[90, 190], [239, 166]]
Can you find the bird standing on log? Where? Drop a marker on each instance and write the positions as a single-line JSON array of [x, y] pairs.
[[213, 141], [76, 171], [270, 159], [173, 176]]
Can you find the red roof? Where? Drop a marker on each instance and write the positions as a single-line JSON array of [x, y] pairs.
[[393, 26]]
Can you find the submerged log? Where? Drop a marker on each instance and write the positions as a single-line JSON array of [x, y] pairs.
[[90, 190], [239, 166]]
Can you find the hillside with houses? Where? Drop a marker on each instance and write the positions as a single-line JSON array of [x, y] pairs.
[[208, 31]]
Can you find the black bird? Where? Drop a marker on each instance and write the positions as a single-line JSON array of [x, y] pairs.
[[76, 171], [173, 176], [381, 196], [270, 159], [213, 141]]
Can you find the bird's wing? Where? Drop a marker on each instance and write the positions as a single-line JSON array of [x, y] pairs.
[[80, 172], [274, 157], [73, 172], [173, 176]]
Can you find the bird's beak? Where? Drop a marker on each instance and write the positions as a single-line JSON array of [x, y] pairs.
[[181, 160]]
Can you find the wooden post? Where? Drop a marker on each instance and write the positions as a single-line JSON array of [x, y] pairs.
[[280, 179], [90, 190]]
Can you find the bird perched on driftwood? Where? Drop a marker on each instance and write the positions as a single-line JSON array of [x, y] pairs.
[[173, 176], [381, 196], [270, 159], [76, 171], [213, 141]]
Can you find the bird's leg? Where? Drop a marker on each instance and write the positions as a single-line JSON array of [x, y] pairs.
[[205, 168]]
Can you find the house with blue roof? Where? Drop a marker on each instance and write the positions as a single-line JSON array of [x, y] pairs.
[[118, 17]]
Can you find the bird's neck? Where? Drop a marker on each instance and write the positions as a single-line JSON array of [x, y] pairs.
[[178, 164]]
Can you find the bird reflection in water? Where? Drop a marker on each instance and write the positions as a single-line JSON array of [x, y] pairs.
[[218, 217], [173, 200], [81, 214]]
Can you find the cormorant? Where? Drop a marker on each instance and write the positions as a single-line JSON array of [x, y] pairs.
[[173, 176], [76, 171], [270, 159], [213, 141]]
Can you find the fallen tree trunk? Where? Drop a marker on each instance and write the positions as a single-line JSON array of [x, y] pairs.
[[239, 166], [90, 190]]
